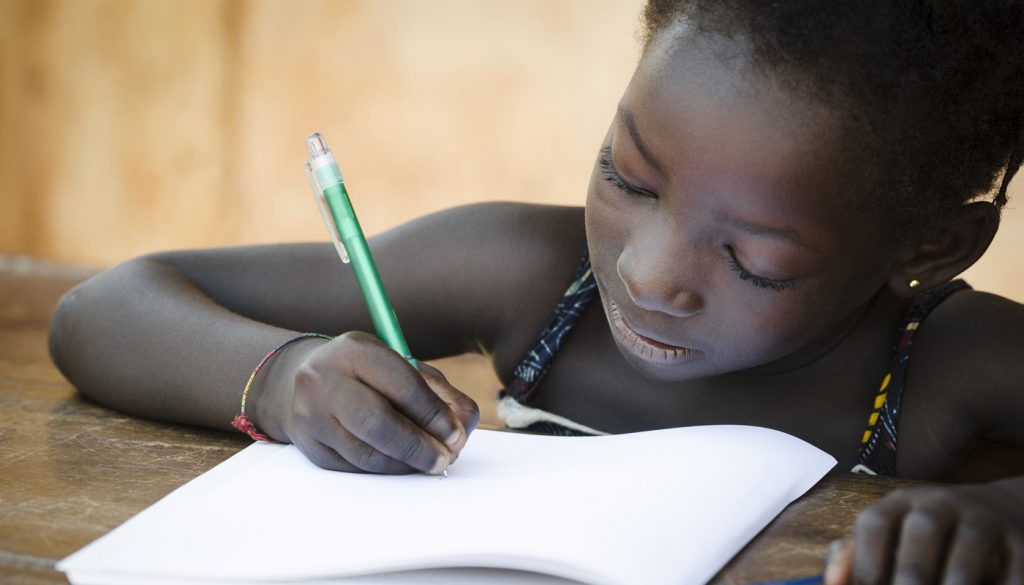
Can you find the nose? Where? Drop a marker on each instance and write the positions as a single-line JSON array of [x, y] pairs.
[[657, 283]]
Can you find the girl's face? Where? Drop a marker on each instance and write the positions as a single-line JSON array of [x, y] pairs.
[[716, 220]]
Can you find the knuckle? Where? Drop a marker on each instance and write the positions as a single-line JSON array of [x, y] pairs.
[[345, 345], [307, 378], [374, 426], [872, 519], [905, 493], [353, 342], [435, 411], [348, 338], [411, 449], [926, 520], [934, 499], [366, 457]]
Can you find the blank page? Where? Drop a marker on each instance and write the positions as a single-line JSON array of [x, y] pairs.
[[667, 506]]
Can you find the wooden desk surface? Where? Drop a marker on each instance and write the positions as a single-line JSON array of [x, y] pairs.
[[71, 470]]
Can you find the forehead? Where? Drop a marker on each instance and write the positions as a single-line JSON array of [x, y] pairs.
[[717, 125]]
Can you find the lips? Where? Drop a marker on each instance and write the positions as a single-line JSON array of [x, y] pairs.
[[646, 348]]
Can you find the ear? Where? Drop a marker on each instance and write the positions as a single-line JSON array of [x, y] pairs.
[[947, 251]]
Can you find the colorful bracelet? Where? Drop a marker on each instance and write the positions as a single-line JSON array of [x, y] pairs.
[[242, 421]]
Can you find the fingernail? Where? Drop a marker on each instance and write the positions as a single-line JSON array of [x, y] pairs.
[[440, 465], [454, 438]]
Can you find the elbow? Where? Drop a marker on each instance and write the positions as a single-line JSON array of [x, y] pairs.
[[62, 328], [84, 316]]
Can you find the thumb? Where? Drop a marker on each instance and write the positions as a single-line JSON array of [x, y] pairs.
[[464, 407]]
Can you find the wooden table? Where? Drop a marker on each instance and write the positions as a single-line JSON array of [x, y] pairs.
[[71, 470]]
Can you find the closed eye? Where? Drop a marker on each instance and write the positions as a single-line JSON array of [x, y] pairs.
[[609, 174], [758, 281]]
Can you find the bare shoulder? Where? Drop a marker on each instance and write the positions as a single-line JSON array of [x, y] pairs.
[[968, 353], [516, 259], [970, 325]]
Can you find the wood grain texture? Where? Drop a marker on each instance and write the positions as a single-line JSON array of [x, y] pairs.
[[71, 470]]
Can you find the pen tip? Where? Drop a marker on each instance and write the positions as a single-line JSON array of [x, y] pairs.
[[316, 144]]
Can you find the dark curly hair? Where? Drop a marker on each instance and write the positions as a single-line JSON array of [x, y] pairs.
[[935, 88]]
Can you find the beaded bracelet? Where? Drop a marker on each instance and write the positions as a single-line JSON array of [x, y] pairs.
[[242, 421]]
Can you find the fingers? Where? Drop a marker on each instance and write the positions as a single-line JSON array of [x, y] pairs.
[[464, 407], [971, 551], [359, 455], [326, 443], [325, 457], [875, 536], [362, 427], [922, 544], [375, 412], [372, 419], [395, 379]]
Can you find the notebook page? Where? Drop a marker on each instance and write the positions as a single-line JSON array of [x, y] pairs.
[[669, 506]]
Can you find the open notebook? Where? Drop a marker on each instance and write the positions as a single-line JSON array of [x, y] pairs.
[[669, 506]]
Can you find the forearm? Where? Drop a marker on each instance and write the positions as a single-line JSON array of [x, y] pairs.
[[144, 339]]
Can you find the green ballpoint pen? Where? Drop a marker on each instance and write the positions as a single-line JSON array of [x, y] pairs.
[[332, 198]]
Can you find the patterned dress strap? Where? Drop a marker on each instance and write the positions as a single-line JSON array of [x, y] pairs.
[[878, 444], [535, 363]]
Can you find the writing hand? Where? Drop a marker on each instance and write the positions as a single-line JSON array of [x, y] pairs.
[[356, 405]]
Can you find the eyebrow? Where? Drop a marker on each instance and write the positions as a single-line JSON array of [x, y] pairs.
[[627, 117], [757, 229]]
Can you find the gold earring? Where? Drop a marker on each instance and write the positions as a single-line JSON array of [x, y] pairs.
[[915, 283]]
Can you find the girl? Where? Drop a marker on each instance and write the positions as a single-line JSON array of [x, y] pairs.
[[773, 222]]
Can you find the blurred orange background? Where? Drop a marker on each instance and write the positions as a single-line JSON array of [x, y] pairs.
[[133, 126]]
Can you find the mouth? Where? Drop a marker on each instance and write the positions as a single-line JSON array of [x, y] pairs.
[[646, 348]]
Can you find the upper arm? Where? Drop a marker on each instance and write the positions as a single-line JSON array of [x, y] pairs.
[[464, 279]]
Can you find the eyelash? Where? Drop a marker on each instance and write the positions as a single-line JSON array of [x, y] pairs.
[[609, 174], [758, 281]]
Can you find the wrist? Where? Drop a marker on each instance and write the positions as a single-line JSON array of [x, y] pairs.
[[272, 390]]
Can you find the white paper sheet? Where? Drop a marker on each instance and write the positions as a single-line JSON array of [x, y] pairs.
[[670, 506]]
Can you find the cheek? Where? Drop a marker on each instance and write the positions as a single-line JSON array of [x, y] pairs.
[[606, 224], [747, 328], [758, 327]]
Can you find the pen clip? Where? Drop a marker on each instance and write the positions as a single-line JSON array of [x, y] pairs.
[[325, 213]]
